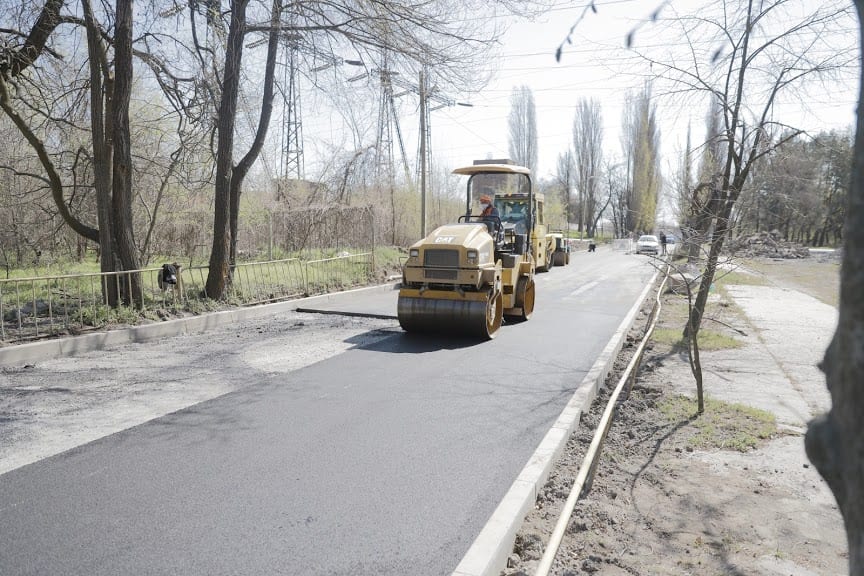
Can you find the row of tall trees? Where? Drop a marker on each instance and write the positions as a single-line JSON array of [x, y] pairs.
[[623, 189]]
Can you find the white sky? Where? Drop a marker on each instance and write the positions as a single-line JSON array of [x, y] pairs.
[[590, 67]]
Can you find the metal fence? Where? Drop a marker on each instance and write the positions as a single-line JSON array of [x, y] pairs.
[[46, 306]]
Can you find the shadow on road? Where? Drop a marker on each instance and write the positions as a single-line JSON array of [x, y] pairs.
[[400, 342]]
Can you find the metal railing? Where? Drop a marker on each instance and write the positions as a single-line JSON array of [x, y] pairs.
[[47, 306]]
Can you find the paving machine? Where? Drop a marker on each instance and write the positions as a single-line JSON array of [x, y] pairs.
[[561, 253], [465, 278]]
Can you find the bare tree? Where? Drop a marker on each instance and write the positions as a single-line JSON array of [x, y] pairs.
[[702, 198], [110, 88], [17, 57], [760, 50], [588, 159], [616, 193], [683, 182], [523, 127], [121, 187]]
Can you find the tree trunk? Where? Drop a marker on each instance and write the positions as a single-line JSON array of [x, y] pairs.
[[242, 168], [124, 236], [217, 275], [102, 153], [835, 441]]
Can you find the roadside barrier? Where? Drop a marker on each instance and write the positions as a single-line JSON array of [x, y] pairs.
[[46, 306]]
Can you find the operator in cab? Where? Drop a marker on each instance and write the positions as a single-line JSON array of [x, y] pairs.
[[488, 208]]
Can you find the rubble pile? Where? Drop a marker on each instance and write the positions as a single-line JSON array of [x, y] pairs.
[[766, 245]]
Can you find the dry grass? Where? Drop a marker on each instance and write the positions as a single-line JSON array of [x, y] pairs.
[[818, 277], [722, 425]]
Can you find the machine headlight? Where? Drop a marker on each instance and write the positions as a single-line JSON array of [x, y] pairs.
[[413, 252], [472, 255]]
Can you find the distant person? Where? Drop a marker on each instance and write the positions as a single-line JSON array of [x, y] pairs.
[[663, 242]]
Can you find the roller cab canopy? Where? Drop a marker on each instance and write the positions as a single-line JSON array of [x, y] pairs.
[[494, 168], [500, 181]]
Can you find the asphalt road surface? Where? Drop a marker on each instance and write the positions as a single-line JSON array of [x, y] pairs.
[[385, 454]]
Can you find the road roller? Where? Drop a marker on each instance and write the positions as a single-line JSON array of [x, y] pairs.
[[467, 277]]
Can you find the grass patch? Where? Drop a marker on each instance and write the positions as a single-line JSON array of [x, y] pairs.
[[669, 336], [723, 278], [722, 425], [709, 340], [389, 256]]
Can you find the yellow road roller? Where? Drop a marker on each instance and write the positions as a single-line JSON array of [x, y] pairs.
[[465, 278]]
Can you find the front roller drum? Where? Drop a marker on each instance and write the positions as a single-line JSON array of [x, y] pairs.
[[479, 318]]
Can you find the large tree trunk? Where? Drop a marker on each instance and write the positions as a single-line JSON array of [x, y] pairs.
[[835, 442], [242, 168], [122, 184], [217, 275], [102, 152]]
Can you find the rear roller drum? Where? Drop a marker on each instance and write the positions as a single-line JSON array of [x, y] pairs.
[[494, 313], [524, 298]]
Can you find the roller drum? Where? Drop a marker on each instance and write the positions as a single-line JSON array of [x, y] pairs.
[[455, 317]]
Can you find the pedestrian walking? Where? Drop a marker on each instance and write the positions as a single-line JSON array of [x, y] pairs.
[[663, 243]]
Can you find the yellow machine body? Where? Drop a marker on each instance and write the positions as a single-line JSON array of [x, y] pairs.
[[464, 278]]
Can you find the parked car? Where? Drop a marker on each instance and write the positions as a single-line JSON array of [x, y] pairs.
[[670, 239], [648, 244]]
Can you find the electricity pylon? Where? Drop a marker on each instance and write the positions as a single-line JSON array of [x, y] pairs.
[[292, 128], [388, 123]]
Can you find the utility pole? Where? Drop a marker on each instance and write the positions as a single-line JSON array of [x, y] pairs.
[[423, 138]]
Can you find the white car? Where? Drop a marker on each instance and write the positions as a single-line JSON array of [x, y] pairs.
[[648, 244]]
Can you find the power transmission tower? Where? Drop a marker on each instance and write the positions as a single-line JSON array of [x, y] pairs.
[[292, 128], [388, 123]]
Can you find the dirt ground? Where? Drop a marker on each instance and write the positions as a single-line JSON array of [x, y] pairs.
[[676, 494]]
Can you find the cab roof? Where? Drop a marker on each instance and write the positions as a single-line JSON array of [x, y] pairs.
[[492, 168]]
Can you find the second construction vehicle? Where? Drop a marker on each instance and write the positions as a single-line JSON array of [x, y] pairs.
[[465, 278]]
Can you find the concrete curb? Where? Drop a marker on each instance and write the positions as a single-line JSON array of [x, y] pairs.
[[32, 352], [488, 554]]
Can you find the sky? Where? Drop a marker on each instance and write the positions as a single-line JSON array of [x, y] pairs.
[[589, 69], [593, 66], [527, 57]]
